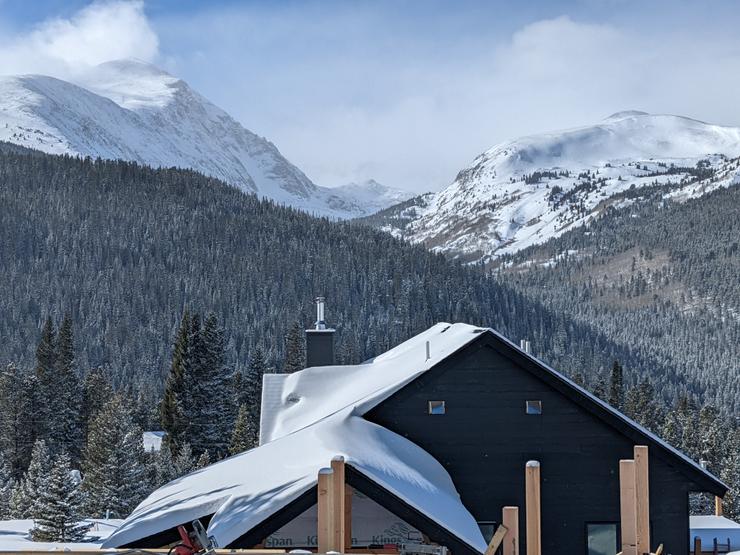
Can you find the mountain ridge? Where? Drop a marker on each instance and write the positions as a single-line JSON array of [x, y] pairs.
[[528, 190], [131, 110]]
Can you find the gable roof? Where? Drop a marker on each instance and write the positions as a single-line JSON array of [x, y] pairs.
[[243, 491], [300, 399], [303, 398]]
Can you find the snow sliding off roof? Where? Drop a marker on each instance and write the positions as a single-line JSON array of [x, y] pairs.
[[244, 490], [319, 417]]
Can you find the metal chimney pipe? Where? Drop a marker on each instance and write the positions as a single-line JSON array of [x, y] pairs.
[[320, 322]]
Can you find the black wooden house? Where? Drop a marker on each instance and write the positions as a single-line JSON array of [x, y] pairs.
[[481, 407]]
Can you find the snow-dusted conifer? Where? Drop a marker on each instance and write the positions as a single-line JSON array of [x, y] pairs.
[[45, 369], [34, 483], [66, 426], [242, 436], [295, 349], [114, 476], [7, 485], [172, 416], [253, 394], [184, 461], [58, 505], [18, 392], [203, 461]]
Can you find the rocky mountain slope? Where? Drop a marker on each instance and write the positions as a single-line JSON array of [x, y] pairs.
[[527, 191], [134, 111]]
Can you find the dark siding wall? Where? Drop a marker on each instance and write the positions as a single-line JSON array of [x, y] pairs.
[[485, 439]]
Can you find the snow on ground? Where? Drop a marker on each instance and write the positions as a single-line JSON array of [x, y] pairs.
[[15, 536]]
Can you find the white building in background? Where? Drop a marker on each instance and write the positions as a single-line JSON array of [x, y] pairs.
[[152, 440]]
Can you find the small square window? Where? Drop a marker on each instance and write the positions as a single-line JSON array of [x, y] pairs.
[[436, 407], [534, 407], [488, 529]]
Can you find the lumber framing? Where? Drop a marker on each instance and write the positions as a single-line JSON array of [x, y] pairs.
[[510, 519], [496, 540], [338, 542], [533, 508], [628, 506], [642, 498], [325, 510]]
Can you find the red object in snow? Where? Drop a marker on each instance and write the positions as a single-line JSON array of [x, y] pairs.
[[188, 544]]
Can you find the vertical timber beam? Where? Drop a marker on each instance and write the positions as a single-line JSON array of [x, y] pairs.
[[642, 493], [533, 508], [347, 517], [628, 506], [326, 518], [717, 505], [697, 545], [338, 502], [510, 519]]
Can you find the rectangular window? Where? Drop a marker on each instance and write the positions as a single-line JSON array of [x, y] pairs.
[[488, 529], [436, 407], [534, 407], [601, 538]]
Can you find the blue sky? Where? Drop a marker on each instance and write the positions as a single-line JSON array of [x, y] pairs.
[[406, 92]]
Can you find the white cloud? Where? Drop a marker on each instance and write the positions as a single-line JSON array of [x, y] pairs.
[[99, 32]]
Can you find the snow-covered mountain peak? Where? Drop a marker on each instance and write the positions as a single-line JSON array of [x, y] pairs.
[[626, 114], [132, 84], [132, 110], [530, 189]]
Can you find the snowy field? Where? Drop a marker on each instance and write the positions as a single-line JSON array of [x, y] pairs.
[[15, 535]]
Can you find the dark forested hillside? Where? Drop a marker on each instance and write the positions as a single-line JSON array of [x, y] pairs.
[[659, 275], [125, 249]]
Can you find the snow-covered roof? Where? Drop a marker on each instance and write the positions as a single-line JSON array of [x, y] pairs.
[[242, 491], [712, 522], [152, 440], [315, 393]]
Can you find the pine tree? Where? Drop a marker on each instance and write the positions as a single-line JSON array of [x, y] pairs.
[[616, 386], [58, 506], [18, 399], [241, 438], [253, 388], [95, 388], [210, 410], [295, 349], [203, 461], [67, 430], [34, 483], [7, 485], [164, 470], [172, 408], [184, 461], [45, 370], [113, 462]]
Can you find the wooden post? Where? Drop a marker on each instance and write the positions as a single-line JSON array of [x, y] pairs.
[[642, 494], [532, 485], [510, 519], [347, 517], [338, 493], [628, 506], [697, 545], [326, 518], [717, 505]]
